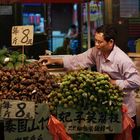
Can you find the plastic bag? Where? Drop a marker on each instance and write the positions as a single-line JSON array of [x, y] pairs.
[[127, 124], [57, 129]]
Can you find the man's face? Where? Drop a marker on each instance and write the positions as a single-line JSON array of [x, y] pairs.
[[100, 43]]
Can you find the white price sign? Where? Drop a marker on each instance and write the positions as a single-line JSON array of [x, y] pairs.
[[23, 129], [17, 109], [87, 121], [22, 35]]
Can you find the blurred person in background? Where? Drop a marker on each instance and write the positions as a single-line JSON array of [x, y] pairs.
[[73, 36]]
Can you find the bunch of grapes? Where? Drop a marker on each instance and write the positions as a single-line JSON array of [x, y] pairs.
[[87, 89]]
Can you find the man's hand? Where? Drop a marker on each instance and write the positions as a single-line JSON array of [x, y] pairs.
[[113, 81], [47, 60]]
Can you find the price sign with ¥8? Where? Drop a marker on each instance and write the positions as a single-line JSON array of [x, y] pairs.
[[16, 109], [22, 35]]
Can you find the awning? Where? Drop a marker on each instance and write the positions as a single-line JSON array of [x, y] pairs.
[[54, 1], [42, 1], [50, 1]]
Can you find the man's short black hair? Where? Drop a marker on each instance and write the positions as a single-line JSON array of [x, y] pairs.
[[109, 32]]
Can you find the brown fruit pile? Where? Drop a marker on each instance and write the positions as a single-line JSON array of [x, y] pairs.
[[30, 83]]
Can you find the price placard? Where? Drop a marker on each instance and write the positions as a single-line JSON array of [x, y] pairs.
[[87, 121], [23, 129], [22, 35], [16, 109]]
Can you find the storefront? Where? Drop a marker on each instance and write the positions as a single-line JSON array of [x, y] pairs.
[[49, 31]]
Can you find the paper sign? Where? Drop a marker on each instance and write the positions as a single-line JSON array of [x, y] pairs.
[[22, 35], [87, 121], [5, 10], [17, 109], [0, 111], [36, 129]]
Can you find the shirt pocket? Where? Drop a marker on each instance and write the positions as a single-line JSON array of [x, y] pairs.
[[112, 70]]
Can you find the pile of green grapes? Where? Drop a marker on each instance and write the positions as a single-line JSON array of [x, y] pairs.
[[87, 89]]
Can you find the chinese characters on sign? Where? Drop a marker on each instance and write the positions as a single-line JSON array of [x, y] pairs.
[[27, 129], [22, 35], [86, 121], [17, 109]]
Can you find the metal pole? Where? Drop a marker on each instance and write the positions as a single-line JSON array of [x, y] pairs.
[[88, 23]]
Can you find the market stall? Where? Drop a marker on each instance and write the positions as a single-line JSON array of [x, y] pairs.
[[84, 101], [30, 95]]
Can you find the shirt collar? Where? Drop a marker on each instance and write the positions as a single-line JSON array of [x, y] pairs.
[[111, 55]]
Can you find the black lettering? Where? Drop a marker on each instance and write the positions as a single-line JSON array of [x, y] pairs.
[[25, 38], [21, 112]]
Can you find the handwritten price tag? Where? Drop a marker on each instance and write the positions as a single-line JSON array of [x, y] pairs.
[[22, 35], [17, 109]]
